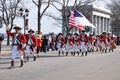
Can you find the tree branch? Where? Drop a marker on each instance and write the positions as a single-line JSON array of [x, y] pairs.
[[34, 2], [45, 8]]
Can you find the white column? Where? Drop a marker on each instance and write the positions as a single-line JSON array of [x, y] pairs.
[[108, 25], [103, 24], [99, 25], [95, 20]]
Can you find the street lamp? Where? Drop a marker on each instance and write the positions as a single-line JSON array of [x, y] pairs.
[[24, 14]]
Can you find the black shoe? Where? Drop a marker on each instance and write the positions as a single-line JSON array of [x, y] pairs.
[[82, 54], [86, 54], [112, 50], [78, 53], [11, 67], [66, 53], [72, 53], [105, 50], [21, 65], [28, 58], [59, 53], [34, 58]]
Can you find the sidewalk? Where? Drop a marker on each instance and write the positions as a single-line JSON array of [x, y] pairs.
[[5, 49]]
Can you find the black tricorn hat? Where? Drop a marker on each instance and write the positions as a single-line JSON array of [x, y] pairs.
[[83, 31], [17, 27], [31, 31], [76, 34]]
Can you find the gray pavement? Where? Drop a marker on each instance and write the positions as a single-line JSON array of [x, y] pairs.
[[50, 66]]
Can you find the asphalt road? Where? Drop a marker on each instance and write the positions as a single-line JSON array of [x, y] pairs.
[[50, 66]]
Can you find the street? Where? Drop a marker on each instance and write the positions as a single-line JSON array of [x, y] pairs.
[[50, 66]]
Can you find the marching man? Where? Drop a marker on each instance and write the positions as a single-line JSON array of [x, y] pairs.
[[31, 44], [67, 44], [75, 44], [83, 38], [60, 43], [91, 43], [18, 44], [111, 41], [98, 43], [104, 42]]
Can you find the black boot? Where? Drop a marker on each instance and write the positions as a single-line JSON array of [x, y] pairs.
[[28, 58], [74, 54], [62, 52], [78, 53], [96, 50], [12, 65], [82, 54], [105, 50], [109, 50], [86, 54], [21, 65], [112, 50], [59, 53], [34, 58], [66, 53]]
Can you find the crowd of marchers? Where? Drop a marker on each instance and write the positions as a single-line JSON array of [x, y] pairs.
[[72, 44]]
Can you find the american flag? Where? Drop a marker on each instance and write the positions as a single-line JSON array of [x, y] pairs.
[[71, 19], [81, 21], [78, 20]]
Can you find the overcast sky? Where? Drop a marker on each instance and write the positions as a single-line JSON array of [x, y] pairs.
[[47, 23]]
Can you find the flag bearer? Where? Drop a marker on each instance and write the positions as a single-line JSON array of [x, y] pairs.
[[75, 44], [83, 38]]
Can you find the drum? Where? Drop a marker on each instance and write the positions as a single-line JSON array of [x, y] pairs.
[[113, 45], [100, 47]]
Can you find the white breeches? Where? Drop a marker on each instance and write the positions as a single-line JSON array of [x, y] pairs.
[[83, 47], [59, 46], [90, 46], [67, 47], [15, 52], [75, 47], [28, 51], [103, 45]]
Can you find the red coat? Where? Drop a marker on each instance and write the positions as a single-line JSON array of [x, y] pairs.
[[111, 37], [76, 41], [86, 38], [21, 37], [33, 38], [104, 38]]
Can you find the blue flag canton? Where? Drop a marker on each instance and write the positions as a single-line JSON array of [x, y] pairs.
[[77, 14]]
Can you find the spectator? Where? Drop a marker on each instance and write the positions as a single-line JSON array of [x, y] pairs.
[[1, 39], [44, 43], [39, 44]]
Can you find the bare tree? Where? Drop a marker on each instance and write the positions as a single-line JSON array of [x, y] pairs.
[[8, 9], [114, 6], [41, 11], [64, 10]]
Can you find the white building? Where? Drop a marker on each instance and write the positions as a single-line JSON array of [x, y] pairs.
[[100, 17]]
